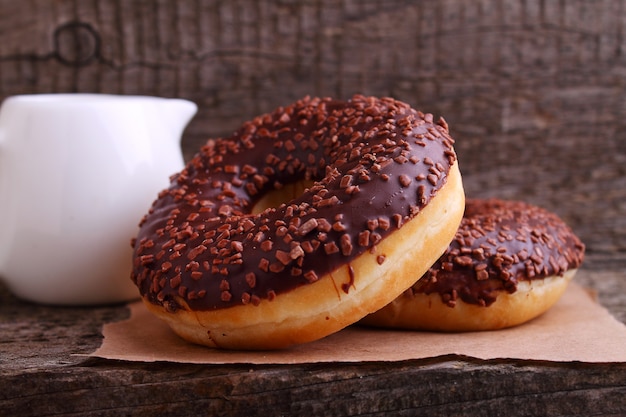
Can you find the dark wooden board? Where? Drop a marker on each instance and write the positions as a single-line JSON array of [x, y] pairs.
[[444, 386], [533, 90], [45, 370]]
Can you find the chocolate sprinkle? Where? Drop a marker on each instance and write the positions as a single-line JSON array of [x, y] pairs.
[[200, 232], [498, 244]]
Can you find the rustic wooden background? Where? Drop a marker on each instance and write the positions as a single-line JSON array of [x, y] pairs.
[[533, 89]]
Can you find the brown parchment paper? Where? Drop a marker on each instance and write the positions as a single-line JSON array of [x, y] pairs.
[[575, 329]]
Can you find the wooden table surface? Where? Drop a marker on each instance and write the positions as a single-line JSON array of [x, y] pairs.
[[533, 91], [45, 370]]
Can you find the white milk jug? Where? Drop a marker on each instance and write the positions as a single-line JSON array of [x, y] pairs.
[[77, 173]]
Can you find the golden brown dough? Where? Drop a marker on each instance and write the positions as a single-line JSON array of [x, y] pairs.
[[509, 263], [301, 223]]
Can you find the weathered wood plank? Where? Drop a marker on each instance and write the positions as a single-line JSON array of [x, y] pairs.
[[443, 387], [43, 372], [533, 90]]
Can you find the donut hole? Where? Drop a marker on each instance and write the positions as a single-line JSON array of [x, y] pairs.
[[282, 195]]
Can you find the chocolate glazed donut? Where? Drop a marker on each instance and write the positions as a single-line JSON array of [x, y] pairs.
[[302, 222], [508, 263]]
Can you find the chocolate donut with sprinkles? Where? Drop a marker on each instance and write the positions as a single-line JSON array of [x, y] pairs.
[[509, 262], [301, 223]]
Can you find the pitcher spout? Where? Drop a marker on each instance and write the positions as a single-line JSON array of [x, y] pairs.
[[178, 113]]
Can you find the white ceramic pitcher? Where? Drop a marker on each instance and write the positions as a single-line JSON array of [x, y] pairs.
[[77, 173]]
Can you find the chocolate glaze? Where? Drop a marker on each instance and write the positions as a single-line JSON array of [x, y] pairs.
[[498, 244], [376, 163]]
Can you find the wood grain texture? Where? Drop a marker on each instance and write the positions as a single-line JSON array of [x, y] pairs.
[[447, 386], [532, 89], [44, 371]]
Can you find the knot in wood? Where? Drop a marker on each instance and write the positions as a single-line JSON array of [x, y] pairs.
[[76, 43]]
